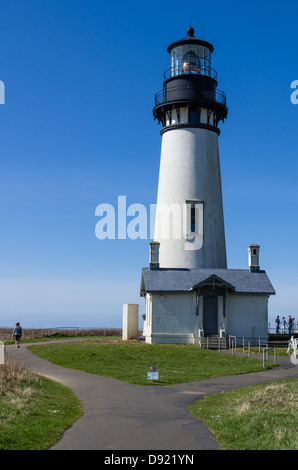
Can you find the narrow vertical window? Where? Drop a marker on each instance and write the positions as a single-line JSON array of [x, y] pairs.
[[193, 219], [194, 224]]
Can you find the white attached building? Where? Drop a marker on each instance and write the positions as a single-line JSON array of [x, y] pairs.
[[182, 304]]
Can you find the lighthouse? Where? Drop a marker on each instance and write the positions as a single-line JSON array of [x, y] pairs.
[[189, 223], [190, 294]]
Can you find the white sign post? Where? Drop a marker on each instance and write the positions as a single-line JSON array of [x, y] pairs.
[[2, 353]]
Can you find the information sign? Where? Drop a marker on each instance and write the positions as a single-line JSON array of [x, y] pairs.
[[152, 376]]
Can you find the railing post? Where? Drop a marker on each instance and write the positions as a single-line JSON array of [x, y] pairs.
[[275, 361], [266, 350], [233, 340]]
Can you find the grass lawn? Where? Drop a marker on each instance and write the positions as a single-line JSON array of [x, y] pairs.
[[258, 417], [34, 411], [129, 361], [54, 338]]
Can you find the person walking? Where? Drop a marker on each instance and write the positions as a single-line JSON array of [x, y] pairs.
[[277, 321], [17, 334]]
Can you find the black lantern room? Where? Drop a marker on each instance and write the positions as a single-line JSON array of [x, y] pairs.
[[190, 84]]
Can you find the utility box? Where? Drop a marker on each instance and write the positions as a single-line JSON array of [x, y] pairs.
[[130, 326], [2, 353]]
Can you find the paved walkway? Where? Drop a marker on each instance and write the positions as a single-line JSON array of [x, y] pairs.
[[120, 416]]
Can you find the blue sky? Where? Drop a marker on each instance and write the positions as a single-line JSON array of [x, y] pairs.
[[77, 130]]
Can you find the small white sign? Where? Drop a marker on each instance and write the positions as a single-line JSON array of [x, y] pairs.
[[152, 375]]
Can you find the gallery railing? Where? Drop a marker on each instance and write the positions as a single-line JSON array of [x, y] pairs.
[[185, 92]]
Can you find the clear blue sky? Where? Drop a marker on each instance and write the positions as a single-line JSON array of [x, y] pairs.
[[77, 130]]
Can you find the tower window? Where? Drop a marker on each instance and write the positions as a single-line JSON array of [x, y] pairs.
[[193, 219], [193, 116]]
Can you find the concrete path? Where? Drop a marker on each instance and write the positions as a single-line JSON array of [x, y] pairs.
[[120, 416]]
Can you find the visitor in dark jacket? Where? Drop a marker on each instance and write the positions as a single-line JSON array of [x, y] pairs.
[[17, 333]]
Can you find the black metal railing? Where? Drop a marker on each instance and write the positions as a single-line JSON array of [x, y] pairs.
[[182, 93]]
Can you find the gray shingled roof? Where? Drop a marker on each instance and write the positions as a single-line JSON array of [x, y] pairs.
[[239, 281]]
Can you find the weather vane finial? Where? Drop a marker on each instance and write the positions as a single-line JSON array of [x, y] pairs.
[[190, 31]]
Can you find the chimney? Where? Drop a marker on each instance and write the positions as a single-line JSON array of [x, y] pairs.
[[154, 256], [253, 258]]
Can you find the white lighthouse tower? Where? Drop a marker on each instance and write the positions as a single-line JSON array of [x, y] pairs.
[[189, 292], [189, 214]]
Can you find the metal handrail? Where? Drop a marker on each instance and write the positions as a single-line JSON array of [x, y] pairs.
[[222, 330], [266, 351], [233, 340], [190, 69], [212, 95]]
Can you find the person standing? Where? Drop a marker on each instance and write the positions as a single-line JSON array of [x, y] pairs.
[[283, 325], [290, 324], [277, 321], [17, 334]]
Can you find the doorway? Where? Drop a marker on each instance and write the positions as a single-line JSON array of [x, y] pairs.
[[210, 313]]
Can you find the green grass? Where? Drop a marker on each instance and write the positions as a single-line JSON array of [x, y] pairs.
[[258, 417], [34, 411], [55, 337], [130, 361]]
